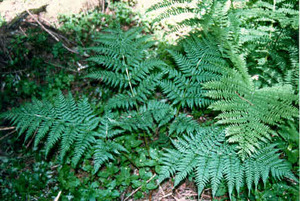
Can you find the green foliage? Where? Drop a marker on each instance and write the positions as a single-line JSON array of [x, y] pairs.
[[270, 29], [202, 62], [289, 141], [213, 160], [265, 32], [71, 124], [278, 191], [193, 15], [123, 13], [85, 25], [250, 113], [28, 73], [25, 180], [129, 68], [241, 62]]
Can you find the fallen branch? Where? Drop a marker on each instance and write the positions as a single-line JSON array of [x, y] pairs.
[[7, 128], [165, 196], [49, 32], [131, 194], [57, 197], [31, 140], [14, 23]]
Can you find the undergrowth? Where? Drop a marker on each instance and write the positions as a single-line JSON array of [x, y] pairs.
[[218, 107]]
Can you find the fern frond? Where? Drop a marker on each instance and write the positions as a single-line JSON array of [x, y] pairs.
[[183, 124], [104, 151], [128, 66], [213, 160], [150, 115], [69, 123], [249, 112], [202, 62]]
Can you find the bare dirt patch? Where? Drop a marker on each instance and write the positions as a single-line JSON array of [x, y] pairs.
[[9, 9]]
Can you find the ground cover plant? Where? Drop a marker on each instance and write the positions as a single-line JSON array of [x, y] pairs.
[[218, 107]]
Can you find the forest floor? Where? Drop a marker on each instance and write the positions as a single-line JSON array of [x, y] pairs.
[[10, 9]]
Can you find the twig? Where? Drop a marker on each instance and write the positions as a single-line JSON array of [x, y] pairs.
[[22, 31], [43, 27], [49, 32], [7, 128], [138, 188], [165, 196], [18, 71], [53, 167], [175, 198], [7, 135], [243, 98], [189, 194], [162, 190], [57, 197]]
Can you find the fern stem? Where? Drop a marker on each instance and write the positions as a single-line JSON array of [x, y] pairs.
[[178, 108], [128, 77]]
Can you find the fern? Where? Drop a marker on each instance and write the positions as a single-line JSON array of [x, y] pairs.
[[202, 62], [196, 14], [248, 112], [213, 160], [150, 116], [183, 124], [269, 39], [73, 125], [128, 66]]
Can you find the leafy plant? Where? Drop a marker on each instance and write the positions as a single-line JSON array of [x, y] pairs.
[[269, 28], [201, 63], [249, 112], [73, 125], [156, 102], [214, 160], [129, 68], [278, 191], [22, 179]]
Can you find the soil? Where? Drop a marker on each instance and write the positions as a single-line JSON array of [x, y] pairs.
[[9, 9]]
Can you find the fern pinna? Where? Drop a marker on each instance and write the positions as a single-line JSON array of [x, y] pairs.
[[214, 160], [201, 62], [71, 124], [197, 14], [127, 66], [270, 28], [250, 113]]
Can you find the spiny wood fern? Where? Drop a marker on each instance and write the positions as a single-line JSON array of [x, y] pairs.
[[250, 113], [71, 124], [201, 62], [214, 160], [128, 66]]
